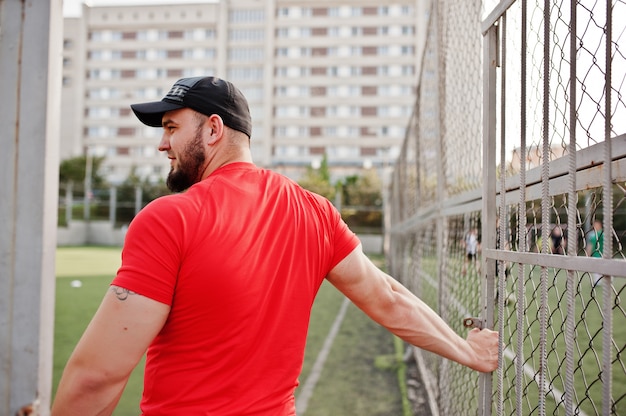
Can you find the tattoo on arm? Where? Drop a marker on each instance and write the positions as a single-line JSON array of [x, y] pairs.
[[121, 293]]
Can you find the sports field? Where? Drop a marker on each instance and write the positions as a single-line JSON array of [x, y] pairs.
[[350, 383]]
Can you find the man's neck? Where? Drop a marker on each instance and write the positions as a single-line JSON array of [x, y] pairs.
[[232, 155]]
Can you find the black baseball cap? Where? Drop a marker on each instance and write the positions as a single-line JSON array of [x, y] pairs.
[[206, 95]]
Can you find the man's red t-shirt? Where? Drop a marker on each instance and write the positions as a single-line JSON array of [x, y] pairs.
[[239, 257]]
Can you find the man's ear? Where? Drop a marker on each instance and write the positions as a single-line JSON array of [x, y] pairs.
[[215, 125]]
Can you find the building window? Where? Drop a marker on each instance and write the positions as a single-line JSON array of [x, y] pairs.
[[370, 31], [246, 35], [199, 53], [368, 132], [174, 73], [319, 31], [343, 111], [369, 151], [126, 131], [174, 54], [292, 71], [344, 91], [369, 111], [128, 73], [343, 71], [369, 50], [198, 72], [318, 111], [294, 12], [245, 74], [102, 112], [369, 70], [293, 32], [343, 152], [200, 34], [369, 90], [290, 151], [245, 54], [292, 111], [370, 11], [246, 16], [318, 91], [292, 91]]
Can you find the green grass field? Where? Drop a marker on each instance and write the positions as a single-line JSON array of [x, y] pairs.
[[350, 382], [588, 346]]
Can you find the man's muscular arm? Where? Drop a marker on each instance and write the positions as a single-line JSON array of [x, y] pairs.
[[110, 348], [393, 306]]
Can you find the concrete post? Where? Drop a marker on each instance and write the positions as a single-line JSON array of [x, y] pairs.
[[69, 202], [30, 80], [138, 197], [113, 206]]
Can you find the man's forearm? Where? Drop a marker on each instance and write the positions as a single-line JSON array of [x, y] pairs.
[[415, 322], [82, 394]]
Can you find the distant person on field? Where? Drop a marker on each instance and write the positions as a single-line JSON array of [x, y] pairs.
[[471, 249], [557, 241], [217, 281], [595, 246]]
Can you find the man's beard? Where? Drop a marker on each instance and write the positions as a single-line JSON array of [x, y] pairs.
[[189, 164]]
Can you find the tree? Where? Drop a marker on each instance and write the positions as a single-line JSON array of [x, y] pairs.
[[318, 180], [73, 170], [362, 201], [363, 190]]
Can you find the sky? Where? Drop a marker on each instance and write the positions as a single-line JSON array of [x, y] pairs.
[[73, 7]]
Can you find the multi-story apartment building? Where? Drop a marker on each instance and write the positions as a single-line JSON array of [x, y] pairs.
[[334, 78]]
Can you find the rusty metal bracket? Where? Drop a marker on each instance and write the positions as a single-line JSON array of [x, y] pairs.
[[473, 323]]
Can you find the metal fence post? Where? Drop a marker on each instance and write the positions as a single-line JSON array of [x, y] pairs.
[[489, 197]]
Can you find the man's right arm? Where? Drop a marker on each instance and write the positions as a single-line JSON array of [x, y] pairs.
[[393, 306], [112, 345]]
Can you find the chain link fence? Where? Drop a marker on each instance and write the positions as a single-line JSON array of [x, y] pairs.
[[518, 135]]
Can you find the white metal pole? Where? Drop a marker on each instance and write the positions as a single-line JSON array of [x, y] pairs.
[[30, 81]]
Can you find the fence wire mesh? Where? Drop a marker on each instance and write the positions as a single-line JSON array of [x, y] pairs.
[[519, 135]]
